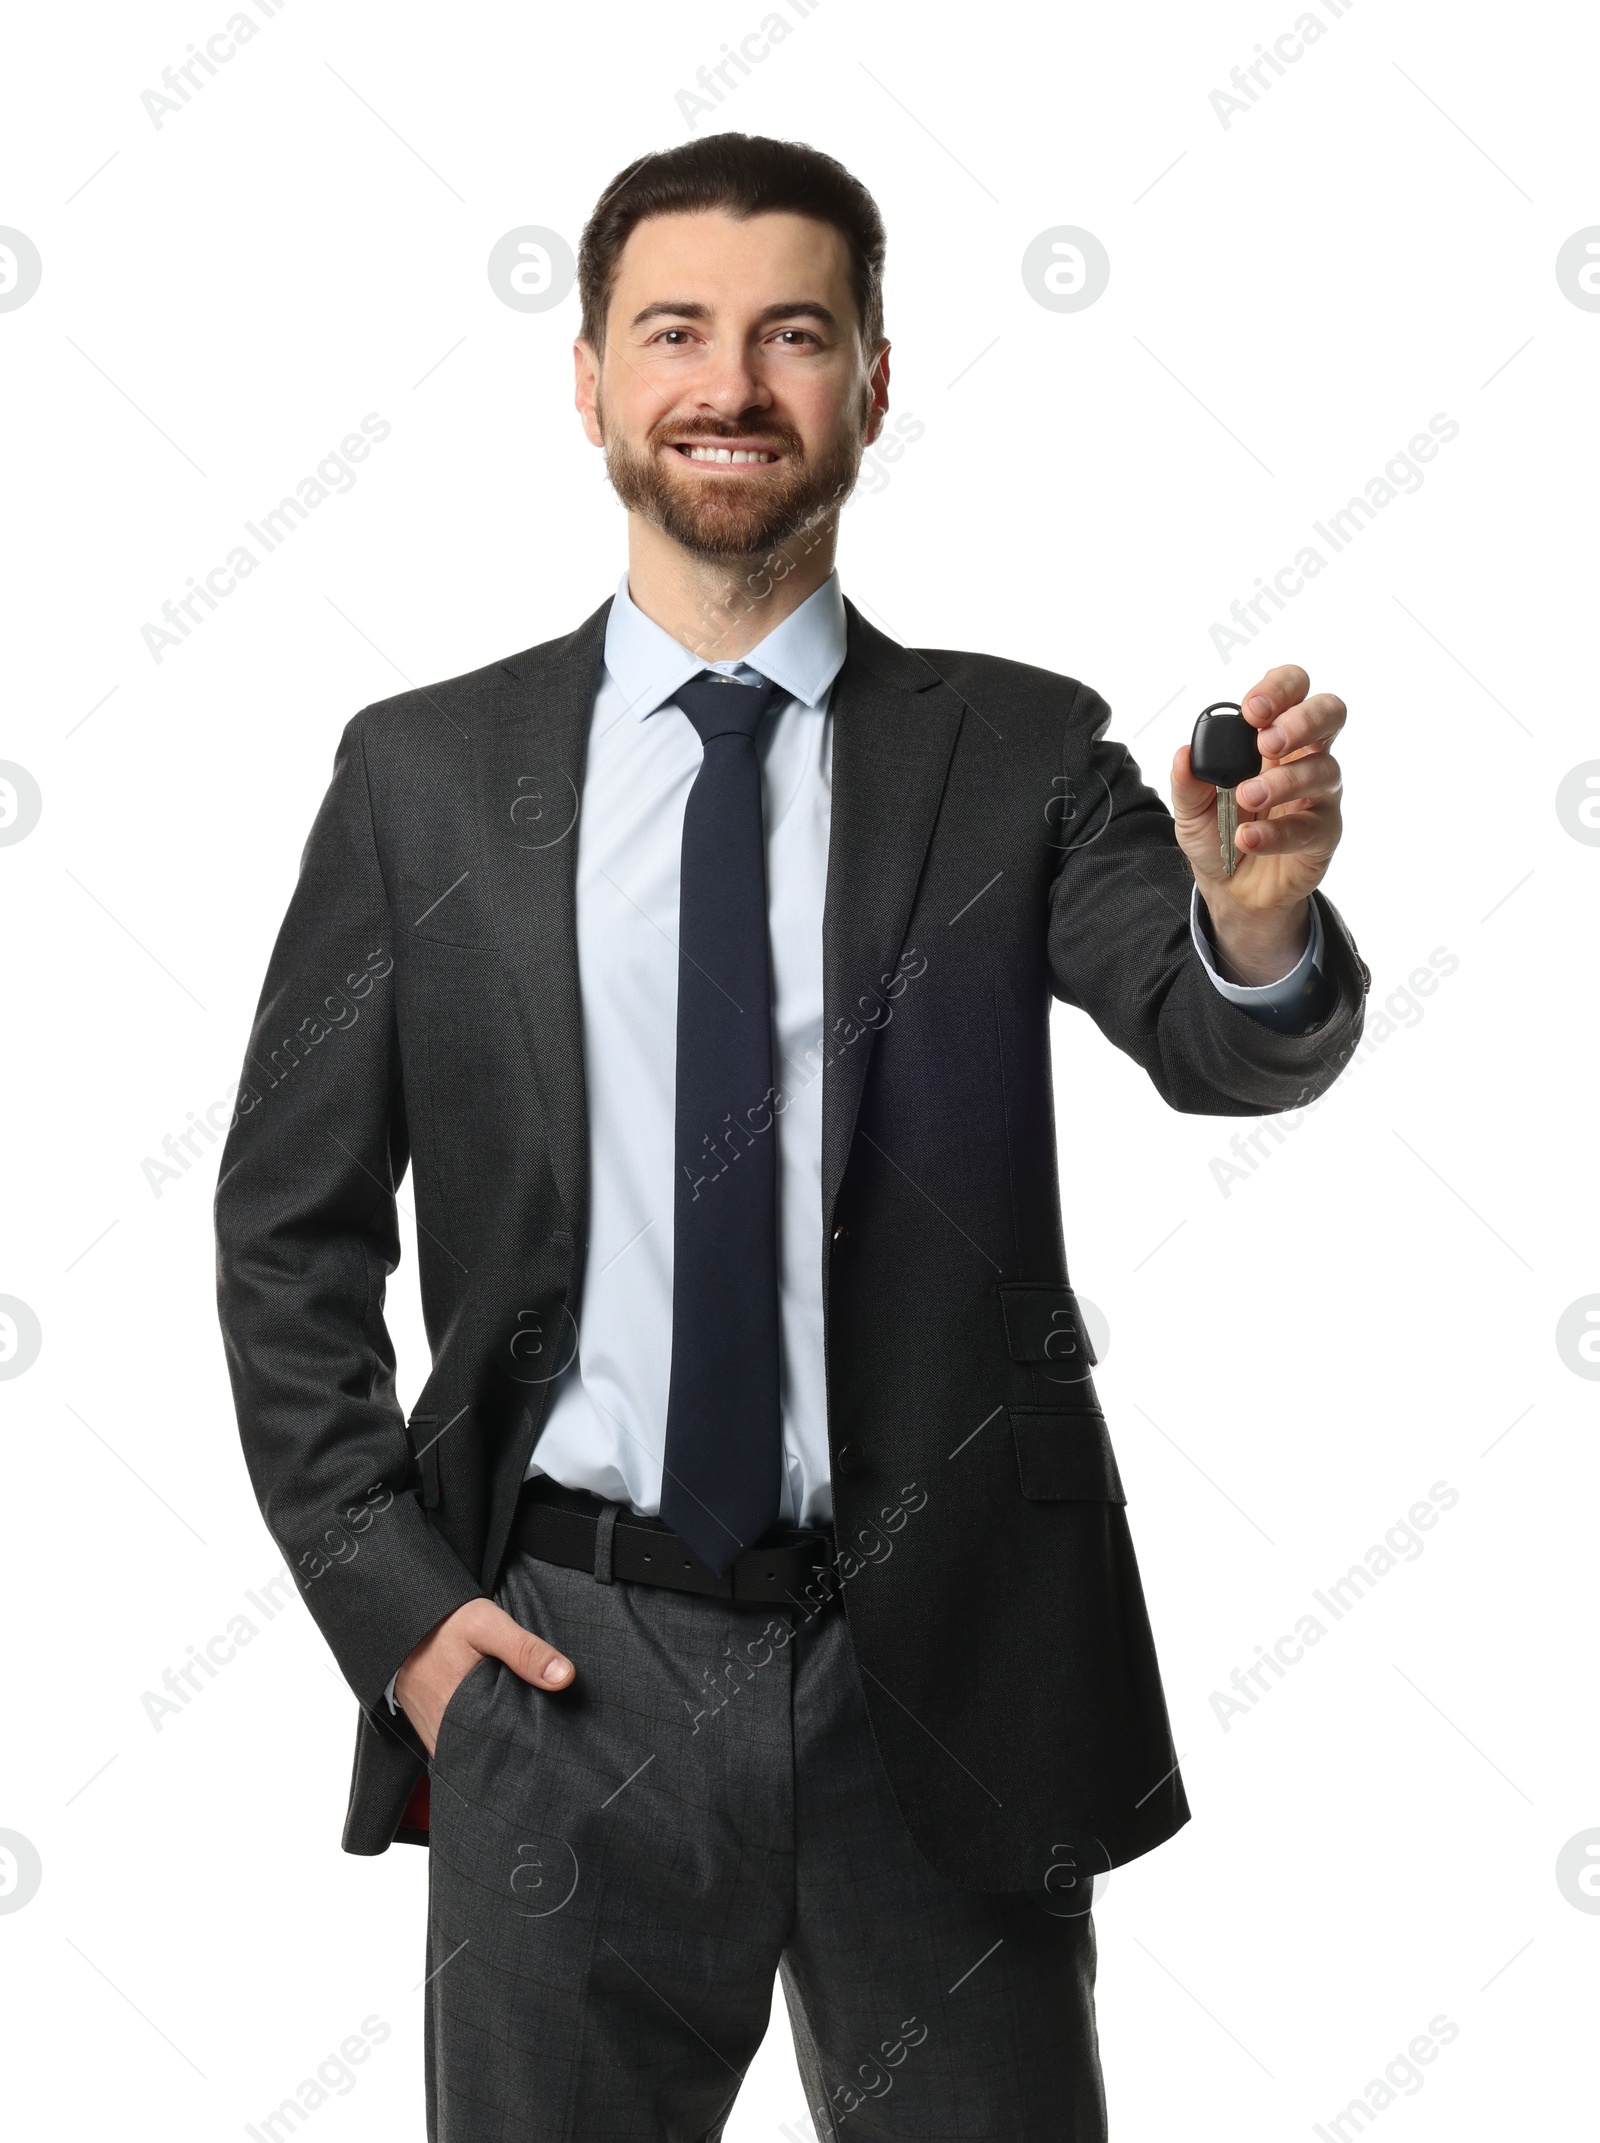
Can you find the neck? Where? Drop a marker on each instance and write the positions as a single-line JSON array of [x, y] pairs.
[[720, 608]]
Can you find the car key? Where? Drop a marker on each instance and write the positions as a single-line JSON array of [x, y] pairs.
[[1225, 751]]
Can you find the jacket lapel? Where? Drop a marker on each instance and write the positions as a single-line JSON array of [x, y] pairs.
[[894, 727], [530, 774]]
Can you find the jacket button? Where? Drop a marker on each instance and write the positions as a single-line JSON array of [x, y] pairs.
[[851, 1457], [841, 1236]]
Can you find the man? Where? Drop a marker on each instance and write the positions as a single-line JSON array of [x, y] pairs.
[[750, 1592]]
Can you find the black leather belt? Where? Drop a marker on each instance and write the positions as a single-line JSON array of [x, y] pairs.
[[583, 1532]]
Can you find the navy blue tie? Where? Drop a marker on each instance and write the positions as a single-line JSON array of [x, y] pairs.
[[724, 1448]]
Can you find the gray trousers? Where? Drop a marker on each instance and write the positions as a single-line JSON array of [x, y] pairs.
[[618, 1873]]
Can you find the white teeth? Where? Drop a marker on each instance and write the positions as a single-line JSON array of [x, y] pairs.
[[729, 455]]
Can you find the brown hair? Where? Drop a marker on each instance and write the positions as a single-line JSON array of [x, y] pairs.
[[742, 175]]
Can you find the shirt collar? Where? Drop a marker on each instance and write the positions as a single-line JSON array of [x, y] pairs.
[[802, 655]]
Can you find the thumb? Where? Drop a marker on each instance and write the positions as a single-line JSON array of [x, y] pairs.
[[1191, 799], [1194, 818], [524, 1653]]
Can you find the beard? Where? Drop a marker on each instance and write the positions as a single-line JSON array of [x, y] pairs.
[[731, 521]]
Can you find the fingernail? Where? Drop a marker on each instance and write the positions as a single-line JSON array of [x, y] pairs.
[[556, 1670], [1257, 705], [1252, 793], [1271, 740]]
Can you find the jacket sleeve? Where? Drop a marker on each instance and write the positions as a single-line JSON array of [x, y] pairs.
[[306, 1238], [1121, 947]]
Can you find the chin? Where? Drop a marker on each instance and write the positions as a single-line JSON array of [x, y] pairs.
[[725, 528]]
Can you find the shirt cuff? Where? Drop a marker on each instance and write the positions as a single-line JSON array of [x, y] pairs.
[[1293, 1003], [389, 1693]]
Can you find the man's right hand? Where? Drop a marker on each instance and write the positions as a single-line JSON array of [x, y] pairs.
[[479, 1630]]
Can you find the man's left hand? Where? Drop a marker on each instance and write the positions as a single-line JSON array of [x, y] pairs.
[[1289, 827]]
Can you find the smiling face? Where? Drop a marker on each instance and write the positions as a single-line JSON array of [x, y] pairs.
[[733, 398]]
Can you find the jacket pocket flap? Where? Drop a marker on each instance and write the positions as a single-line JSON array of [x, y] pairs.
[[1044, 1324], [422, 1436], [1064, 1454]]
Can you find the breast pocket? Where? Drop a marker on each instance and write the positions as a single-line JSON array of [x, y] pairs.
[[454, 911]]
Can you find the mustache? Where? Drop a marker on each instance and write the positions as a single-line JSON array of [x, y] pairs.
[[673, 431]]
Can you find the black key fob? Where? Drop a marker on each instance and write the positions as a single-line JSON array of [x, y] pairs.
[[1224, 750]]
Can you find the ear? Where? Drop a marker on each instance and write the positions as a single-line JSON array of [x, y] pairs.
[[586, 389], [878, 392]]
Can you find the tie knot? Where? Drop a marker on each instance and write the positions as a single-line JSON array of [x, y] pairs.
[[718, 707]]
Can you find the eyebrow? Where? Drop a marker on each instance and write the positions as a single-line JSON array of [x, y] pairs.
[[689, 309]]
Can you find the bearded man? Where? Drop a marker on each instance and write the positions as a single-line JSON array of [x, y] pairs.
[[750, 1593]]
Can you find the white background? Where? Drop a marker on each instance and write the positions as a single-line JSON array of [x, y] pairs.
[[1373, 1310]]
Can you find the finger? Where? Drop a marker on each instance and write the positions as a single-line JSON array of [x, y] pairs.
[[1190, 798], [1279, 690], [1317, 776], [523, 1652], [1308, 725], [1300, 833]]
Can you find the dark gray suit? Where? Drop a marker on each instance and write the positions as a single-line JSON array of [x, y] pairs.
[[989, 850]]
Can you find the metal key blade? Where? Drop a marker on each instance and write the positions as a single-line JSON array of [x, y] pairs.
[[1227, 827]]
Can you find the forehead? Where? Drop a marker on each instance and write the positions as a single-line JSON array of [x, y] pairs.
[[732, 263]]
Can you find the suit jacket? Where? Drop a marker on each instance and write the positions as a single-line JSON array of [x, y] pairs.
[[990, 850]]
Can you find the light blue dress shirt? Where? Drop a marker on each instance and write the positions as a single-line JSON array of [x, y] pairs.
[[606, 1427]]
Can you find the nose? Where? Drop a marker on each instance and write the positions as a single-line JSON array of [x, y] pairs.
[[729, 384]]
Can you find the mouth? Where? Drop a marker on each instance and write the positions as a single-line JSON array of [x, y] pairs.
[[721, 454]]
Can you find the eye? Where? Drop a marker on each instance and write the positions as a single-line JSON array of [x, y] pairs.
[[802, 334], [666, 332]]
